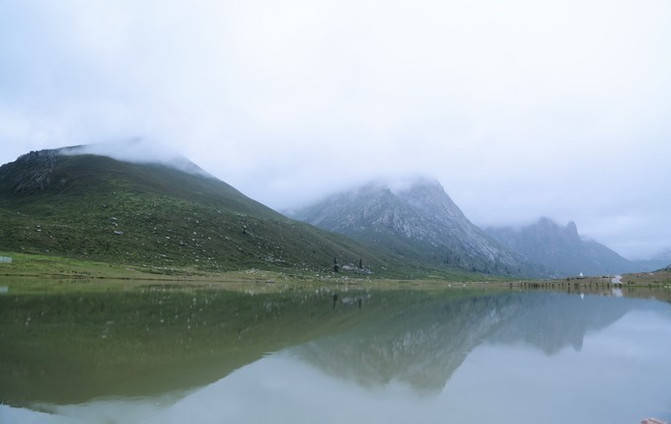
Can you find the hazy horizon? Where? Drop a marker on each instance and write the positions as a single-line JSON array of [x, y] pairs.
[[520, 109]]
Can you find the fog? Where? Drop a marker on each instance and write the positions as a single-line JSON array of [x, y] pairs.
[[137, 150], [519, 108]]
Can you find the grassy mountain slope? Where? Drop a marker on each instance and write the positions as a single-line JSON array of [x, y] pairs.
[[95, 207]]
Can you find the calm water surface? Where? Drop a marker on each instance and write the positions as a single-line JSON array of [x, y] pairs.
[[165, 356]]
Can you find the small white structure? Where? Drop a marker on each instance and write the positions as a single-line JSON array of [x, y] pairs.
[[5, 260]]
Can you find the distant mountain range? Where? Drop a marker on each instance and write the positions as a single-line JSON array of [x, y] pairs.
[[563, 251], [661, 260], [78, 202], [421, 222], [418, 222]]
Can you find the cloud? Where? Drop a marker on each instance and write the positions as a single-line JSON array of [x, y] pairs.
[[520, 108], [138, 150]]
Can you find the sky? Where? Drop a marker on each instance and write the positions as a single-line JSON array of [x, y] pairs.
[[519, 108]]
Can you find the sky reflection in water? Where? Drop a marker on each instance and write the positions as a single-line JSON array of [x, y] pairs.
[[551, 358]]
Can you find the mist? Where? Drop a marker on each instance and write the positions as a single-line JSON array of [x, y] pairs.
[[520, 109], [137, 150]]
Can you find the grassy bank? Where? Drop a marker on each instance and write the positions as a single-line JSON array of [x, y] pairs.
[[32, 273]]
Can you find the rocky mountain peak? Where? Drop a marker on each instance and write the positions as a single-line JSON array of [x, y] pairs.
[[416, 218], [560, 248], [572, 229]]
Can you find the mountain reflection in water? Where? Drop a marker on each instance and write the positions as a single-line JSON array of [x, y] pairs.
[[423, 344], [511, 357]]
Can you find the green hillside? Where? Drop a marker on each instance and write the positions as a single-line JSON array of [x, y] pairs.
[[95, 207]]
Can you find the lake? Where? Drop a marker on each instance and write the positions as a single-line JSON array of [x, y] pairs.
[[164, 354]]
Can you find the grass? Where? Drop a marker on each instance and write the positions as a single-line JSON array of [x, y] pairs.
[[33, 273], [30, 273], [97, 209]]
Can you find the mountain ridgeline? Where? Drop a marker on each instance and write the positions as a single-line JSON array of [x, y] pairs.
[[419, 222], [95, 207], [70, 202], [563, 250]]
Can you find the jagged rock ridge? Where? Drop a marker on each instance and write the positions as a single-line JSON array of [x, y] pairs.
[[561, 249], [419, 221]]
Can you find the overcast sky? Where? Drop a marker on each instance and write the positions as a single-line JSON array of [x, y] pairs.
[[520, 108]]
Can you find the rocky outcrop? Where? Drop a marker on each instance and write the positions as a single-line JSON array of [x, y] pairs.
[[561, 249], [419, 221], [30, 172]]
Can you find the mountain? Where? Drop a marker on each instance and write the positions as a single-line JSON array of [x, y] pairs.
[[561, 249], [660, 261], [417, 222], [68, 203], [663, 256]]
